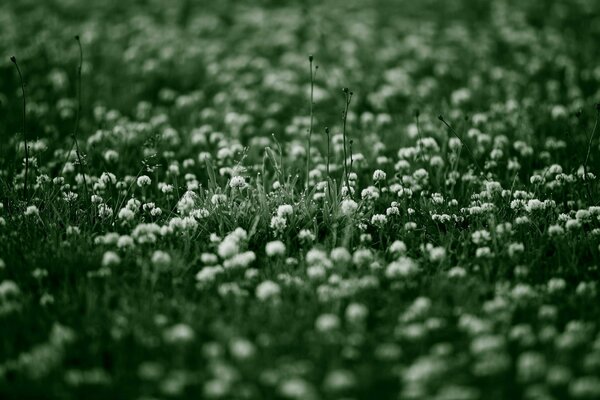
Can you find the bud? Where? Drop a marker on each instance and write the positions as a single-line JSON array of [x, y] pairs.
[[310, 58], [13, 59]]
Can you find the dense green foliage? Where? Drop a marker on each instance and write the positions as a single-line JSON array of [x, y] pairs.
[[162, 239]]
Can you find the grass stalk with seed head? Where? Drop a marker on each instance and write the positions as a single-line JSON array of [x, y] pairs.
[[310, 129], [589, 150], [420, 141], [348, 97], [328, 150], [24, 117], [464, 144], [77, 119]]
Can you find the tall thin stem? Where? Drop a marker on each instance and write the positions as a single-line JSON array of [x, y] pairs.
[[77, 119], [310, 129], [14, 61], [348, 95], [589, 149], [328, 150], [441, 118]]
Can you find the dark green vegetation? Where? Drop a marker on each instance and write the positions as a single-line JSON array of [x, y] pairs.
[[160, 237]]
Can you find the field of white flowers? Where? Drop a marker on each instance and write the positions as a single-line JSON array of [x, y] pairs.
[[358, 199]]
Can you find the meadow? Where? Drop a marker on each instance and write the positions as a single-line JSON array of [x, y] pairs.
[[359, 199]]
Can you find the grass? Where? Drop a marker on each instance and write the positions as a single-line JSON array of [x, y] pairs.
[[177, 222]]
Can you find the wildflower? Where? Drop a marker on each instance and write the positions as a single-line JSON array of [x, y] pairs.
[[275, 248], [379, 175], [348, 207], [327, 322], [161, 259], [401, 268], [143, 180], [267, 290], [278, 223], [237, 182], [110, 259], [285, 210], [32, 211]]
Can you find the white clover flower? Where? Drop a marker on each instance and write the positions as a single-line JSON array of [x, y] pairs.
[[179, 334], [278, 223], [126, 214], [161, 259], [402, 268], [483, 252], [240, 261], [356, 312], [110, 259], [104, 210], [436, 254], [362, 256], [341, 255], [31, 211], [327, 322], [573, 224], [125, 241], [555, 230], [316, 272], [228, 248], [237, 182], [275, 248], [379, 175], [515, 248], [208, 274], [267, 290], [457, 272], [306, 236], [378, 220], [144, 180], [397, 247], [242, 349], [348, 207], [284, 210]]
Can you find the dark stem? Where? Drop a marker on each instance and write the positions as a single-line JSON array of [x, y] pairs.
[[589, 149], [441, 118], [14, 60], [345, 117], [312, 84], [77, 119]]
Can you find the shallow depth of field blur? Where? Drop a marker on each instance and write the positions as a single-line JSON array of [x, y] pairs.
[[186, 239]]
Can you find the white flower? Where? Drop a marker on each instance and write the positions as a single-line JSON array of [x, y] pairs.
[[110, 259], [161, 259], [378, 220], [275, 248], [348, 207], [402, 268], [397, 247], [267, 290], [341, 255], [237, 182], [228, 248], [32, 210], [284, 210], [327, 322], [126, 214], [278, 223], [143, 180], [379, 175]]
